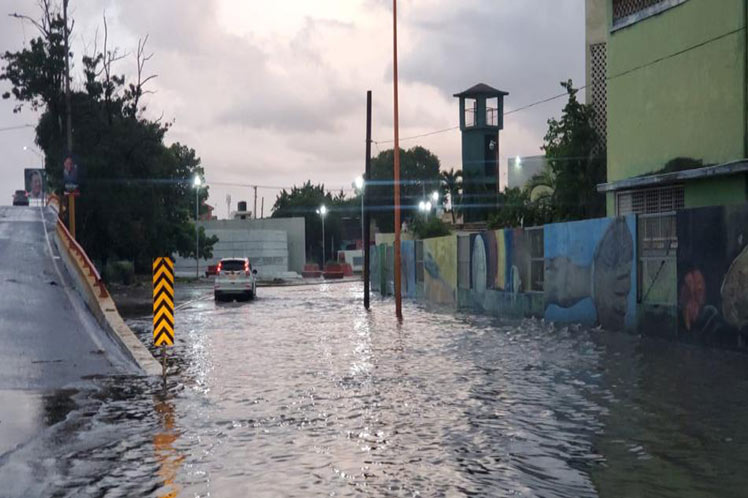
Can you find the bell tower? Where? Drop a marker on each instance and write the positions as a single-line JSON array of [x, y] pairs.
[[481, 119]]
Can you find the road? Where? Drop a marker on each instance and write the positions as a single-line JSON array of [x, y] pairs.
[[49, 343], [303, 393]]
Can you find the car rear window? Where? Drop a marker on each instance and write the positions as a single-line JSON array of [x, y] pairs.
[[232, 265]]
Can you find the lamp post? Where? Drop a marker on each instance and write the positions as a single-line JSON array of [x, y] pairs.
[[359, 183], [322, 211], [197, 183]]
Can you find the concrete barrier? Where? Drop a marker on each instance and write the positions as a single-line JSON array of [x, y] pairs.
[[90, 286]]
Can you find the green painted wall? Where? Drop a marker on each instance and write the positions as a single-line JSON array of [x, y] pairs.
[[689, 105], [716, 191]]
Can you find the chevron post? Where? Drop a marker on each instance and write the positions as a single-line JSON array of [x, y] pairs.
[[163, 302]]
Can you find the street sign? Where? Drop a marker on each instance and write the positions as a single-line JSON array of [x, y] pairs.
[[163, 302]]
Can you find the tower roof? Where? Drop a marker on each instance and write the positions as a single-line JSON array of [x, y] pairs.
[[482, 90]]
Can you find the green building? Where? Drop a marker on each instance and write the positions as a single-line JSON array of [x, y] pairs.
[[669, 81], [481, 119]]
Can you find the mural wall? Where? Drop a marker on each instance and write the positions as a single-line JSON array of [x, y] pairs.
[[713, 275], [408, 268], [590, 272], [440, 270]]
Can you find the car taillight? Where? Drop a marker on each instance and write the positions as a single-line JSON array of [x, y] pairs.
[[218, 270], [246, 268]]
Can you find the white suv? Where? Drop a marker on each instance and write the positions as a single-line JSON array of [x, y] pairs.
[[235, 278]]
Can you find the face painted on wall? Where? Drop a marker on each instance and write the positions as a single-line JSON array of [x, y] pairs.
[[692, 297]]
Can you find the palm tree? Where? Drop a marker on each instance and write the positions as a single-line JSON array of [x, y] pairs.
[[451, 183]]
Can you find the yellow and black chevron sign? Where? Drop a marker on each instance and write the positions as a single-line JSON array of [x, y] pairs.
[[163, 302]]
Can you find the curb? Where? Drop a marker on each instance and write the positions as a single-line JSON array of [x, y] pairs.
[[99, 301]]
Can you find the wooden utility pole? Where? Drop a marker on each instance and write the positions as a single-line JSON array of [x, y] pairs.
[[366, 220], [396, 176], [255, 210]]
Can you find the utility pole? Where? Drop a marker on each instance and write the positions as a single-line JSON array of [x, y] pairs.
[[255, 210], [398, 295], [262, 209], [366, 221]]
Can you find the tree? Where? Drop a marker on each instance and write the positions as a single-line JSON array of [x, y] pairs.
[[452, 187], [576, 157], [419, 176], [136, 200]]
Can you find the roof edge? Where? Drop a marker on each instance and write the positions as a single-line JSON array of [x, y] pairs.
[[729, 168]]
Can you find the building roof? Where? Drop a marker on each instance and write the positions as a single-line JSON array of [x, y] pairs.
[[731, 168], [481, 89]]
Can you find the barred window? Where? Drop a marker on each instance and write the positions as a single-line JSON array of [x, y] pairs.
[[626, 12], [625, 8], [598, 70], [650, 200]]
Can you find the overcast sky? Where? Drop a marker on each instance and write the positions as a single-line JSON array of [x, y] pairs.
[[274, 93]]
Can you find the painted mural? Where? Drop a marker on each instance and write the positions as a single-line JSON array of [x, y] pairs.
[[440, 270], [408, 268], [590, 272], [713, 275]]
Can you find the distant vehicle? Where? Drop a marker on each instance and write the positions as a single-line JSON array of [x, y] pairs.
[[21, 198], [235, 278]]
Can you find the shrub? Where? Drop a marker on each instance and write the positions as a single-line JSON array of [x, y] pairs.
[[121, 272]]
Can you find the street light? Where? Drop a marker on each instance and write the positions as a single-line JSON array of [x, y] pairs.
[[322, 211], [197, 183], [359, 183]]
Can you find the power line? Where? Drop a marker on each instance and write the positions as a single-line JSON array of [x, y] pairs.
[[18, 127], [609, 78]]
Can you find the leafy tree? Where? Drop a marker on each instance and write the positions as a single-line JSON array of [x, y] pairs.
[[428, 227], [419, 175], [136, 197], [452, 187], [576, 157]]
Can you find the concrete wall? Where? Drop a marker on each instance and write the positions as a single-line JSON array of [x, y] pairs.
[[294, 229], [688, 105], [268, 250]]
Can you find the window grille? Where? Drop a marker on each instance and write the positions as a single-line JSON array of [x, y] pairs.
[[598, 70], [650, 200], [625, 8], [537, 258], [658, 247]]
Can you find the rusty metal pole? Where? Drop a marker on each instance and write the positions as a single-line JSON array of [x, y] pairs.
[[398, 294], [366, 222]]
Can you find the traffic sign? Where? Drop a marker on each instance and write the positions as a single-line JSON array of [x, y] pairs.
[[163, 302]]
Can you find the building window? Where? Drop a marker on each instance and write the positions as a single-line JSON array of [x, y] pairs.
[[650, 200], [537, 259], [599, 76], [492, 111], [627, 12], [471, 109]]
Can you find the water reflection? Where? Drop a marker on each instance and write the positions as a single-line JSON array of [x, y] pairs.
[[169, 459], [303, 393]]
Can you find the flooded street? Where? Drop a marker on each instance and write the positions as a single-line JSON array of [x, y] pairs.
[[303, 393]]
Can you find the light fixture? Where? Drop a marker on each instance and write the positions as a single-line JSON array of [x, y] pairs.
[[518, 162], [435, 196], [427, 206], [422, 206], [197, 181], [359, 182], [322, 210]]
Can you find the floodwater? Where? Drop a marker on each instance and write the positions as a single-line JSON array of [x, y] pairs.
[[303, 393]]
